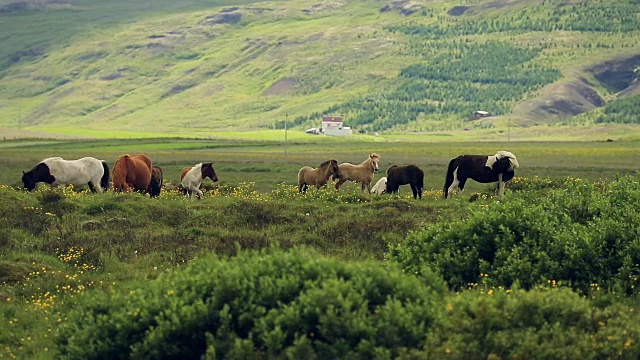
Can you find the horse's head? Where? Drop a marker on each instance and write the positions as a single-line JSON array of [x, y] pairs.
[[208, 172], [335, 169], [375, 161], [29, 180]]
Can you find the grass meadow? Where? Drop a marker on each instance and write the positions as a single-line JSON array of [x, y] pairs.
[[67, 255]]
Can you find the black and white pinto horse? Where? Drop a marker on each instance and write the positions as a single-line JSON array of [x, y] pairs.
[[481, 168], [57, 171]]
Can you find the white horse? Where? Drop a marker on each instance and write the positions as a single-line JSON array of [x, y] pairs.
[[191, 178], [57, 171], [362, 173], [380, 187]]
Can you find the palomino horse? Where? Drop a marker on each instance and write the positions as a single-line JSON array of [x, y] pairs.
[[318, 177], [132, 172], [403, 175], [57, 171], [191, 178], [362, 173], [155, 184], [481, 168]]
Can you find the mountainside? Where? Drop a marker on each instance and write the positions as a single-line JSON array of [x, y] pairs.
[[390, 66]]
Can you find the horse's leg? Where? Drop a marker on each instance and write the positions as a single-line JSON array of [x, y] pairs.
[[500, 186], [300, 186], [461, 185], [91, 187], [340, 182], [414, 189], [454, 185]]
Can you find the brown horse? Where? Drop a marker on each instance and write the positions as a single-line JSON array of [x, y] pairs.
[[131, 172], [155, 185], [362, 173], [191, 178], [318, 177]]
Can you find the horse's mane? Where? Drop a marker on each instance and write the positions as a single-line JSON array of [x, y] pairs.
[[52, 158], [326, 163], [196, 166], [390, 167], [501, 155]]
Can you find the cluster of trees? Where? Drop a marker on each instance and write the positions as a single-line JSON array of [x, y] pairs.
[[622, 111], [590, 16], [461, 78]]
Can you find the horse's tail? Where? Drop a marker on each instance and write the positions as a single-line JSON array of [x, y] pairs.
[[421, 178], [119, 175], [453, 164], [104, 181]]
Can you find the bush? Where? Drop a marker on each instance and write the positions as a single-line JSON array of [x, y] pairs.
[[267, 305], [581, 234]]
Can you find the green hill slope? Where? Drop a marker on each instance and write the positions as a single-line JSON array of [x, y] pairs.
[[392, 66]]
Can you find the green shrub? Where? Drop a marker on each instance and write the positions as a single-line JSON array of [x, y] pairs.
[[266, 305], [536, 324], [581, 234]]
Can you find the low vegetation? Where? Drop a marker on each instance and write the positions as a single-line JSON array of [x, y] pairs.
[[549, 271]]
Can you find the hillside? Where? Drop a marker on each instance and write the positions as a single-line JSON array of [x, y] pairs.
[[391, 66]]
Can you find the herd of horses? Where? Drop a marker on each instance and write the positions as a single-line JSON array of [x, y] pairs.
[[137, 173], [130, 173], [481, 168]]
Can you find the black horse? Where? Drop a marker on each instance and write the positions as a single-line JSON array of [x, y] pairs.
[[481, 168], [155, 185], [403, 175]]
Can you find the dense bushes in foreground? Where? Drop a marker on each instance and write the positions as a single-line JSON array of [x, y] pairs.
[[582, 234], [300, 305]]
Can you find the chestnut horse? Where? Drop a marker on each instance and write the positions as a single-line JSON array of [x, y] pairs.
[[131, 172], [362, 173], [318, 177], [191, 178]]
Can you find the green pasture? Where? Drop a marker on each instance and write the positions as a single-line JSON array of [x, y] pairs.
[[268, 163]]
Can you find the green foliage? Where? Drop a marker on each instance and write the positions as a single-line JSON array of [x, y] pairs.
[[537, 324], [581, 234], [268, 305], [622, 111]]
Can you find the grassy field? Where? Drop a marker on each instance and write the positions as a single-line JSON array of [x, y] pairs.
[[60, 246], [266, 164]]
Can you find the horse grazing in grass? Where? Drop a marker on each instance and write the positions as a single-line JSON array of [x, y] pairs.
[[191, 178], [57, 171], [318, 177], [403, 175], [380, 187], [132, 172], [155, 184], [481, 168], [362, 173]]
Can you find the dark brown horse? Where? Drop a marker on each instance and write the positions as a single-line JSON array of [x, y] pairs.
[[403, 175], [191, 178], [155, 185], [131, 172], [318, 177]]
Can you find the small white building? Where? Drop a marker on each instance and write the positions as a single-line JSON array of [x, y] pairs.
[[333, 125]]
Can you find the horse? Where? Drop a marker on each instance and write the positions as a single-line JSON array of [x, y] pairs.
[[318, 177], [57, 171], [155, 184], [191, 178], [481, 168], [132, 172], [403, 175], [380, 187], [362, 173]]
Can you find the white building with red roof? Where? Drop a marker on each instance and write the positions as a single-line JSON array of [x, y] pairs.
[[334, 125]]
